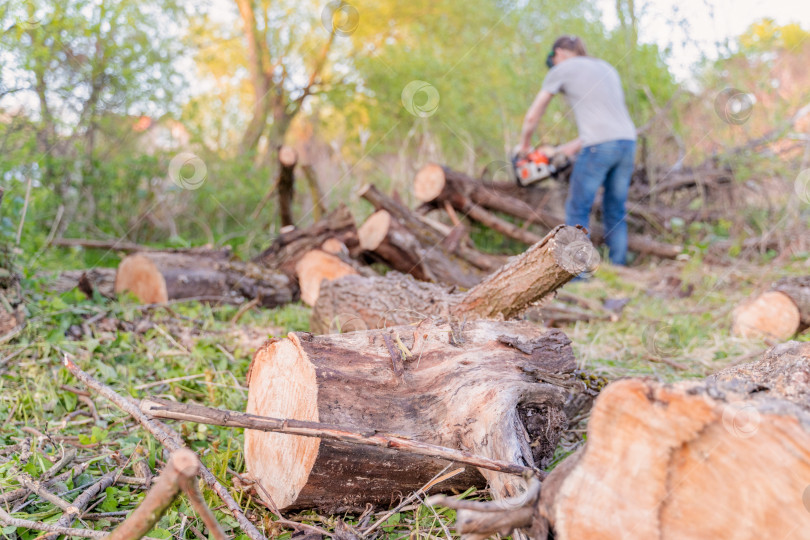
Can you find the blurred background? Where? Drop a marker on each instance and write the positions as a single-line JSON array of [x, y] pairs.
[[99, 98]]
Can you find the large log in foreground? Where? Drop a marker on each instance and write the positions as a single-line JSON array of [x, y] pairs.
[[776, 314], [495, 389], [395, 299], [435, 184], [727, 457], [157, 277]]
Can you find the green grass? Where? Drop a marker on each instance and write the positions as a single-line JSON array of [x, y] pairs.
[[127, 347]]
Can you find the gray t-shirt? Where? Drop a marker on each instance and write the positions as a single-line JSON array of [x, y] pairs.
[[594, 91]]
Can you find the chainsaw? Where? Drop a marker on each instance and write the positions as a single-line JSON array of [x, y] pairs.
[[540, 163]]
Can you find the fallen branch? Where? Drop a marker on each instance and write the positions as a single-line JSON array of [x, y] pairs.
[[219, 417], [82, 501], [180, 473], [10, 521], [169, 438]]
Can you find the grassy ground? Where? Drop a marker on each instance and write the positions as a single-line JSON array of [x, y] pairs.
[[675, 326]]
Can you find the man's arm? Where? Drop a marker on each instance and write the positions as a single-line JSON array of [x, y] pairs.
[[533, 116]]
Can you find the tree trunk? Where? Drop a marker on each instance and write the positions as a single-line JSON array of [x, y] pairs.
[[464, 265], [87, 281], [293, 243], [465, 193], [395, 299], [484, 387], [726, 457], [778, 314], [315, 267], [318, 199], [287, 158], [157, 277]]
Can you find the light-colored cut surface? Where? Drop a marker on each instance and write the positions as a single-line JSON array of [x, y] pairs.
[[140, 276], [772, 315], [373, 231], [428, 183], [316, 266]]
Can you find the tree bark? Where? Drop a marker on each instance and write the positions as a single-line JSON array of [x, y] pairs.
[[467, 387], [779, 313], [396, 299], [466, 194], [287, 158], [157, 277], [293, 243]]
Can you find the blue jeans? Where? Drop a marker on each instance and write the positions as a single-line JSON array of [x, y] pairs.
[[609, 164]]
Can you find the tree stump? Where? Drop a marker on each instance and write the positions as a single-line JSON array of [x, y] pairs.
[[496, 389], [157, 277]]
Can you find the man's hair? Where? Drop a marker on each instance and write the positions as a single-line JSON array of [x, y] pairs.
[[570, 43]]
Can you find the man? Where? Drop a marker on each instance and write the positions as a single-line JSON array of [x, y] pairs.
[[606, 142]]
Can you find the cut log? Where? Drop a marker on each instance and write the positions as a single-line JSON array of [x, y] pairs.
[[287, 158], [707, 452], [390, 242], [777, 314], [292, 244], [726, 457], [470, 387], [315, 267], [395, 299], [157, 277], [465, 262], [471, 196]]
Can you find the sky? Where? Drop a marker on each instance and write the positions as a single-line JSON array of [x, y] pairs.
[[709, 22]]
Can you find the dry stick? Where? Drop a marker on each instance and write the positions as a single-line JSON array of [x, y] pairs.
[[8, 520], [82, 501], [169, 438], [180, 471], [37, 488], [222, 417]]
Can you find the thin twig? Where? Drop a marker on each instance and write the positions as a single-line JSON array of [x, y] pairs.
[[221, 417], [169, 438]]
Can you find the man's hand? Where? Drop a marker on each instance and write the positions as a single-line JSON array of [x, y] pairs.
[[520, 151]]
